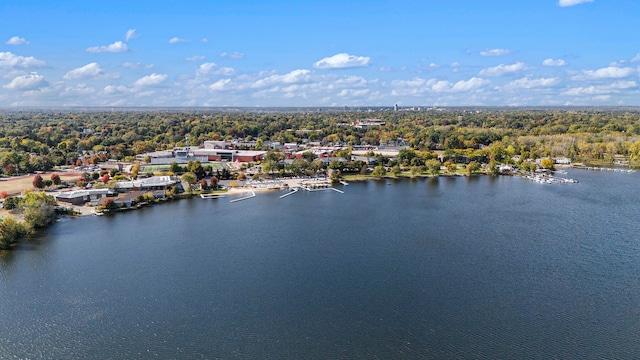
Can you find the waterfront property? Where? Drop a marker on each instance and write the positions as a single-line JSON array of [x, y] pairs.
[[152, 183], [81, 197]]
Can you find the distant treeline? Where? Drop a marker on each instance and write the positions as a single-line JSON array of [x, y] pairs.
[[32, 141]]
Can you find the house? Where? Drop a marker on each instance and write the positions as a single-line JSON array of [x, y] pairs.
[[562, 160]]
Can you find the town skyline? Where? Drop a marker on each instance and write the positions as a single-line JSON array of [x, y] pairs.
[[328, 54]]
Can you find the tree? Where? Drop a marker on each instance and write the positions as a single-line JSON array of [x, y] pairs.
[[56, 179], [434, 166], [213, 182], [204, 185], [379, 171], [547, 164], [39, 209], [135, 170], [472, 167], [396, 171], [38, 182], [11, 202], [109, 204], [335, 176], [10, 232], [190, 178], [451, 167], [105, 178], [405, 156]]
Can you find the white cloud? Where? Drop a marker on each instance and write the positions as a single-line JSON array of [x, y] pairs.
[[10, 60], [567, 3], [470, 84], [528, 83], [554, 62], [611, 72], [32, 81], [89, 71], [17, 40], [196, 58], [136, 66], [131, 34], [342, 61], [353, 93], [503, 69], [209, 69], [495, 52], [177, 40], [117, 46], [205, 68], [296, 76], [636, 58], [220, 85], [419, 86], [233, 55], [615, 87], [150, 80], [204, 40]]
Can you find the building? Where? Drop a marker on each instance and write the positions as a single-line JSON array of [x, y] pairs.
[[149, 184], [228, 155], [81, 197]]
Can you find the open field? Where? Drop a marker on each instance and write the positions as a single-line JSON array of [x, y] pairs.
[[16, 185]]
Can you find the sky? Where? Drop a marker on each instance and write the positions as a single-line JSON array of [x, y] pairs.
[[319, 53]]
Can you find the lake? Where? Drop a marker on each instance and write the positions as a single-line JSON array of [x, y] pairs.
[[479, 268]]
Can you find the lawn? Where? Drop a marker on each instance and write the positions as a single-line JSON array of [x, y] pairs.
[[15, 185]]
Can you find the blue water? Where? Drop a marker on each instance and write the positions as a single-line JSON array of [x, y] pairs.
[[479, 268]]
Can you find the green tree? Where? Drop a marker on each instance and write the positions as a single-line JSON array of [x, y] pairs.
[[135, 170], [10, 232], [547, 164], [451, 167], [379, 171], [175, 168], [39, 209], [433, 166], [472, 167], [396, 171], [190, 178]]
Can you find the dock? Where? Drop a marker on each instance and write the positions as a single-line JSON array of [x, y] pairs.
[[293, 191], [253, 194], [212, 196]]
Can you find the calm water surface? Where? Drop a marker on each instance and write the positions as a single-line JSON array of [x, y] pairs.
[[480, 268]]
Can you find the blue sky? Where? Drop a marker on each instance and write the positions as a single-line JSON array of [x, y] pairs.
[[320, 53]]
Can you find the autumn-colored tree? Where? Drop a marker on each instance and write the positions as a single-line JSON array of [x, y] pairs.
[[105, 178], [38, 182], [55, 178]]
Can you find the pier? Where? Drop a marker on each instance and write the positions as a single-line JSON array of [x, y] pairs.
[[293, 191], [253, 194], [212, 196]]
